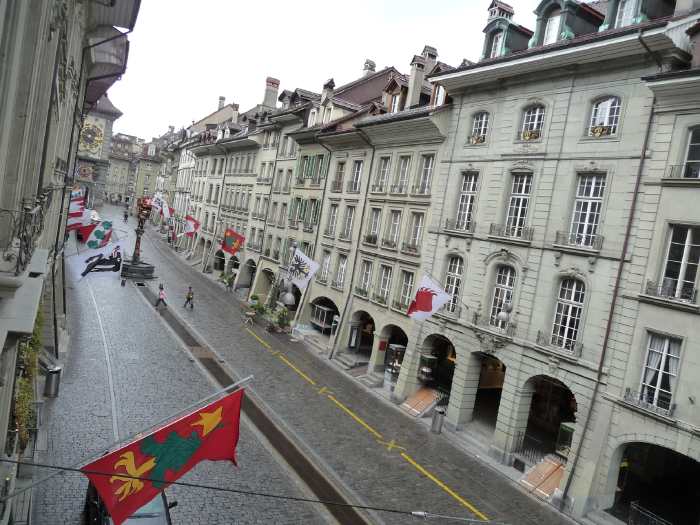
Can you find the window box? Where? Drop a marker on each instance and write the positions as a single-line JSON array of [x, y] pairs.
[[276, 255], [267, 252], [600, 131], [300, 182], [637, 399], [371, 238], [474, 140], [530, 135], [344, 236], [315, 182], [586, 241], [285, 188], [668, 291], [322, 279], [522, 233], [554, 342]]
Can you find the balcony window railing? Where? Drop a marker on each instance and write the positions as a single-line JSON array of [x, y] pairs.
[[669, 290], [398, 189], [328, 232], [337, 284], [663, 407], [363, 292], [264, 180], [300, 181], [315, 181], [389, 243], [689, 170], [381, 298], [353, 187], [507, 329], [377, 188], [451, 310], [345, 235], [515, 232], [400, 304], [463, 226], [590, 241], [294, 223], [421, 189], [573, 348], [309, 227], [323, 279], [337, 186], [410, 248], [371, 238]]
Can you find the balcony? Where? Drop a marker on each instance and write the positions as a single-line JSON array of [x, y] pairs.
[[670, 291], [400, 304], [294, 224], [585, 241], [381, 298], [377, 188], [411, 248], [345, 236], [688, 172], [264, 180], [309, 227], [421, 189], [484, 320], [559, 344], [361, 291], [389, 243], [398, 189], [662, 407], [19, 232], [329, 232], [370, 238], [521, 233], [338, 285], [336, 186], [353, 187], [460, 225]]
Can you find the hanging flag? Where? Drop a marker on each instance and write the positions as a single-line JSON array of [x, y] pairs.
[[79, 221], [232, 241], [165, 455], [430, 297], [191, 226], [99, 236], [166, 211], [100, 263], [76, 207], [76, 193], [157, 202], [301, 269]]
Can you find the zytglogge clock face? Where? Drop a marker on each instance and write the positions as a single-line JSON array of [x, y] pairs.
[[91, 138]]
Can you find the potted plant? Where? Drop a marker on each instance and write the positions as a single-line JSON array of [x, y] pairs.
[[254, 299], [283, 318]]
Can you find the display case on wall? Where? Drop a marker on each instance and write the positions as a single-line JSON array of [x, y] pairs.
[[564, 440], [426, 368], [393, 362]]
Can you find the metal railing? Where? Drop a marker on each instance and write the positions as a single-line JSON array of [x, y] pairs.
[[398, 189], [329, 233], [510, 231], [381, 298], [529, 448], [336, 186], [377, 188], [19, 232], [353, 187], [293, 223], [461, 225], [689, 170], [410, 248], [309, 227], [591, 241], [556, 342], [363, 292], [485, 320], [638, 515], [338, 285], [669, 290], [389, 243], [370, 238], [421, 189], [345, 236], [453, 311], [633, 397], [400, 304]]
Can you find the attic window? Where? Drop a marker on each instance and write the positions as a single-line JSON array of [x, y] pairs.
[[551, 31], [394, 103], [312, 118], [439, 95], [496, 43], [625, 12]]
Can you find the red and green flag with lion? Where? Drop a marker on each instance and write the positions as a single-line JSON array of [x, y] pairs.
[[210, 433]]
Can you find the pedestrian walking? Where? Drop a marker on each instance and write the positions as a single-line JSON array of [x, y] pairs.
[[161, 296], [189, 299], [229, 283]]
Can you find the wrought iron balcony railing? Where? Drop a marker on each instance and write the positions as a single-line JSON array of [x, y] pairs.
[[689, 170], [361, 291], [591, 241], [410, 248], [460, 225], [506, 328], [661, 406], [670, 289], [559, 343], [20, 231], [370, 238], [509, 231]]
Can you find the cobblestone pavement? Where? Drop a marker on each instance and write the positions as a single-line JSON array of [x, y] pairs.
[[360, 454], [153, 378]]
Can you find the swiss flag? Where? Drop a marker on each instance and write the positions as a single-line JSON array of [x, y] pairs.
[[430, 297]]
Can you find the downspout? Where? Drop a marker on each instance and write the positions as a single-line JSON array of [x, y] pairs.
[[611, 314], [357, 249]]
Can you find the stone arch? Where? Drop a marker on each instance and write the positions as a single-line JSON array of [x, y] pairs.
[[362, 332], [233, 264], [219, 261], [323, 314], [437, 364]]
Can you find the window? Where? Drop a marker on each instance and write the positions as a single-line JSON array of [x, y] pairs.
[[394, 103], [605, 117], [681, 266], [325, 266], [402, 175], [382, 173], [314, 211], [394, 229], [339, 175], [327, 115], [517, 206], [567, 316], [426, 175], [587, 208], [416, 230], [660, 371], [375, 219], [283, 214], [312, 118], [347, 222], [465, 205], [502, 294], [692, 158], [453, 282], [496, 41], [365, 276], [440, 95], [533, 121], [480, 128], [551, 30], [406, 294], [625, 12], [332, 219], [384, 283], [356, 176], [340, 271]]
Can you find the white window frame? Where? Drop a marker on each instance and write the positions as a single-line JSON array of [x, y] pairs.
[[332, 219], [395, 103], [588, 208], [551, 30], [384, 285], [626, 10], [325, 265], [496, 44], [375, 222], [357, 166], [383, 172], [568, 313], [407, 282], [466, 200], [440, 95], [426, 173], [480, 127], [365, 275], [678, 287], [394, 226], [605, 116], [402, 173], [518, 204], [347, 222], [533, 119], [340, 271], [417, 225], [691, 167], [662, 361], [312, 118], [503, 288], [453, 282]]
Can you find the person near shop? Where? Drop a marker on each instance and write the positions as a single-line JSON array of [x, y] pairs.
[[189, 299]]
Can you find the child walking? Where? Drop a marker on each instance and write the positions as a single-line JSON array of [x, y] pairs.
[[189, 298], [161, 296]]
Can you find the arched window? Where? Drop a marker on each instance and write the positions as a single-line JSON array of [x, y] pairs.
[[502, 294], [551, 29], [496, 44], [567, 316], [533, 122], [605, 117], [480, 128], [453, 282]]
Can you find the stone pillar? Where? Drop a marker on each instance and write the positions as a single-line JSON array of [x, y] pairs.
[[465, 385], [408, 383], [376, 360], [513, 414]]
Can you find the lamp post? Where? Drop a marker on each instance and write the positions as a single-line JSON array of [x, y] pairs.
[[136, 268]]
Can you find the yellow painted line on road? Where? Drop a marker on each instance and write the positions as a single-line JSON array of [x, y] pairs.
[[293, 367], [444, 487], [355, 417], [260, 339]]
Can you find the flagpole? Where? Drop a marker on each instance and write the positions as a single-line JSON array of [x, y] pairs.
[[230, 389]]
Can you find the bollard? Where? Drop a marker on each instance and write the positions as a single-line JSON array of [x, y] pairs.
[[53, 380], [438, 419]]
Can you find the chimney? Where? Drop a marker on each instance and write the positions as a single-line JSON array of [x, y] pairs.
[[272, 86], [222, 101], [171, 129], [369, 67], [430, 55], [415, 82], [328, 88]]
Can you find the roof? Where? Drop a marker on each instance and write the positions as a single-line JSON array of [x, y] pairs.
[[670, 75], [105, 106], [366, 88], [694, 29], [394, 117]]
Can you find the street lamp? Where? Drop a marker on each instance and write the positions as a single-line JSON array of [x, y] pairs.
[[504, 315]]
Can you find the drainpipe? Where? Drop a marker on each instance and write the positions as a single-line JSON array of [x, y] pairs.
[[357, 249], [613, 303]]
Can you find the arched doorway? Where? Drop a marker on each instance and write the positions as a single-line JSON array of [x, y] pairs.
[[199, 252], [488, 392], [437, 366], [232, 265], [264, 285], [393, 341], [219, 261], [656, 484], [361, 333], [322, 312], [245, 280]]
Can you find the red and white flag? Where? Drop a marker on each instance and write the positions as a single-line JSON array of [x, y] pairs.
[[76, 207], [78, 220], [430, 297], [191, 226]]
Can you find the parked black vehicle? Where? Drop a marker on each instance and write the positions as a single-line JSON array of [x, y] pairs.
[[156, 512]]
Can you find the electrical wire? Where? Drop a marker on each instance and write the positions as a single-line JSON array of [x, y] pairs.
[[417, 514]]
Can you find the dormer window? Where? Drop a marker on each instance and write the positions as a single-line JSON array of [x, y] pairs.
[[625, 12], [533, 122], [440, 95], [551, 30], [496, 44], [395, 103], [312, 118]]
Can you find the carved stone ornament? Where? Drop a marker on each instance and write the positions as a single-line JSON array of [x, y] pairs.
[[553, 366], [489, 343]]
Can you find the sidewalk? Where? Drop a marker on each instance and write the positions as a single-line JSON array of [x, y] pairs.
[[385, 457]]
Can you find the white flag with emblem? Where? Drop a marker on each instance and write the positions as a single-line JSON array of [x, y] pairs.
[[301, 269]]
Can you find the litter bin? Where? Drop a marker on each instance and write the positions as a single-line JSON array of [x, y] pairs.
[[53, 380], [438, 419]]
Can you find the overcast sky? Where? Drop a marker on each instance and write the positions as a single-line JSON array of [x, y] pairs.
[[184, 54]]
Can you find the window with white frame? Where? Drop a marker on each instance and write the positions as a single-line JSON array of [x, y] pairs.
[[587, 209], [325, 266], [660, 370], [393, 229], [551, 30], [426, 174], [283, 214], [533, 122], [626, 10], [347, 222], [395, 103], [691, 168], [605, 117], [480, 128], [384, 283], [340, 270], [406, 293], [365, 276], [312, 118], [440, 95], [465, 204], [339, 175], [496, 43], [453, 282], [332, 219], [567, 316], [416, 230], [502, 294], [402, 174], [356, 176], [681, 265], [382, 173], [518, 204], [375, 220]]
